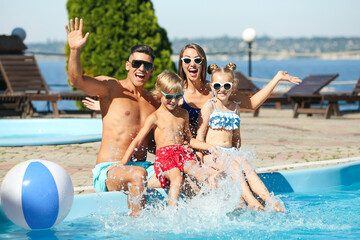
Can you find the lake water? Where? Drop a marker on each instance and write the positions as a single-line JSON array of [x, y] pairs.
[[349, 71]]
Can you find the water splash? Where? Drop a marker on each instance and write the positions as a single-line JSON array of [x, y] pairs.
[[215, 214]]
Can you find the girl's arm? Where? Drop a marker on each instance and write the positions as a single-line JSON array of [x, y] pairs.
[[259, 98], [193, 143], [196, 144], [203, 126], [204, 118], [150, 123], [236, 138]]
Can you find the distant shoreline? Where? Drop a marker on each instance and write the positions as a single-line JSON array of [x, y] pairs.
[[225, 48], [223, 57]]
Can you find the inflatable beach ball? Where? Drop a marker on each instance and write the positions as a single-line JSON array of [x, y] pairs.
[[37, 194]]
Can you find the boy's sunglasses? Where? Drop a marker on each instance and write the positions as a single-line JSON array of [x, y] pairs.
[[138, 63], [188, 60], [171, 96], [217, 86]]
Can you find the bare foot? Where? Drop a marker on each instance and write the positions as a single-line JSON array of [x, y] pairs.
[[134, 214], [212, 181], [255, 205], [276, 205]]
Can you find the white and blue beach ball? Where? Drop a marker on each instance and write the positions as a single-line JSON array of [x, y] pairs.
[[37, 194]]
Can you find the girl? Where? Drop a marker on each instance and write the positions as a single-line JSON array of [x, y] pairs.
[[220, 126]]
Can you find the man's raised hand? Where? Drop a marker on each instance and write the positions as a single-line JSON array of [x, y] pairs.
[[74, 34]]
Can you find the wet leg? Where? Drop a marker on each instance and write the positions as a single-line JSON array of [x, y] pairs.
[[129, 179], [189, 187], [258, 187], [153, 182], [202, 174], [176, 180], [254, 181], [246, 193]]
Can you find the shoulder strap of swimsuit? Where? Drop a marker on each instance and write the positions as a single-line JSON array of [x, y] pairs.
[[236, 107], [211, 100]]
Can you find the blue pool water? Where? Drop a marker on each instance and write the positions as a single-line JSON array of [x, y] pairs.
[[331, 214], [29, 132], [332, 211]]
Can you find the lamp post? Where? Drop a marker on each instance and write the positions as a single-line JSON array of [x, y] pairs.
[[249, 36], [19, 32]]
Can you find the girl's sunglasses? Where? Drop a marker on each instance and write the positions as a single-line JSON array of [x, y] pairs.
[[171, 96], [138, 63], [217, 86], [188, 60]]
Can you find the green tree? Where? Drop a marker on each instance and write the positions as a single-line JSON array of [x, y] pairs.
[[115, 26]]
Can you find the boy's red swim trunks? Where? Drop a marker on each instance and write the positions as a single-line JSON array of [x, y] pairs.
[[169, 157]]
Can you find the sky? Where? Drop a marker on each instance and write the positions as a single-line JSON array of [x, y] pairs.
[[44, 20]]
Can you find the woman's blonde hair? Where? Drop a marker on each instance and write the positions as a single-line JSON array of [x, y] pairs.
[[169, 83], [202, 54], [229, 69]]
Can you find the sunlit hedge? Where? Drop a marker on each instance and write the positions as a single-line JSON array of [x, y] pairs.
[[115, 26]]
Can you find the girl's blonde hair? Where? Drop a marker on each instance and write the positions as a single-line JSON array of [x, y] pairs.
[[229, 69], [168, 82]]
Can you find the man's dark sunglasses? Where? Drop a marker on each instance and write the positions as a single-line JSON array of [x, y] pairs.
[[138, 63]]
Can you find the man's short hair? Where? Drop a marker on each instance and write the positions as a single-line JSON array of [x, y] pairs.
[[143, 49]]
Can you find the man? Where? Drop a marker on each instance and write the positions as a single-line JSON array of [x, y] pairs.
[[124, 106]]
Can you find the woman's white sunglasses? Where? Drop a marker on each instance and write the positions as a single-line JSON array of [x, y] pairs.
[[217, 86], [188, 60]]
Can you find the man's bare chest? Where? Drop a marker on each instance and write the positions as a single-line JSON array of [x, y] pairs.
[[129, 110]]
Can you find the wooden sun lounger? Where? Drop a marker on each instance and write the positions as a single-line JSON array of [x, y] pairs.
[[307, 93], [23, 78], [12, 105], [333, 99]]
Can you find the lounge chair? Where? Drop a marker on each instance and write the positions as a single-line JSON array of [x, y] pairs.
[[25, 82], [307, 93], [12, 105], [333, 99]]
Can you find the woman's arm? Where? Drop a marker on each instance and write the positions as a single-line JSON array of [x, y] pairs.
[[136, 143], [91, 104], [259, 98]]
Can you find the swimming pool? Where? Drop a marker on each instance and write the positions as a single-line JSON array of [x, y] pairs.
[[321, 203], [32, 132]]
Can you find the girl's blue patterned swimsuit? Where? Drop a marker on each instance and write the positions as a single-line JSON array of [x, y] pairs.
[[224, 120]]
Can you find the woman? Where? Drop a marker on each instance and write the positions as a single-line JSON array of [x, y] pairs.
[[197, 91]]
